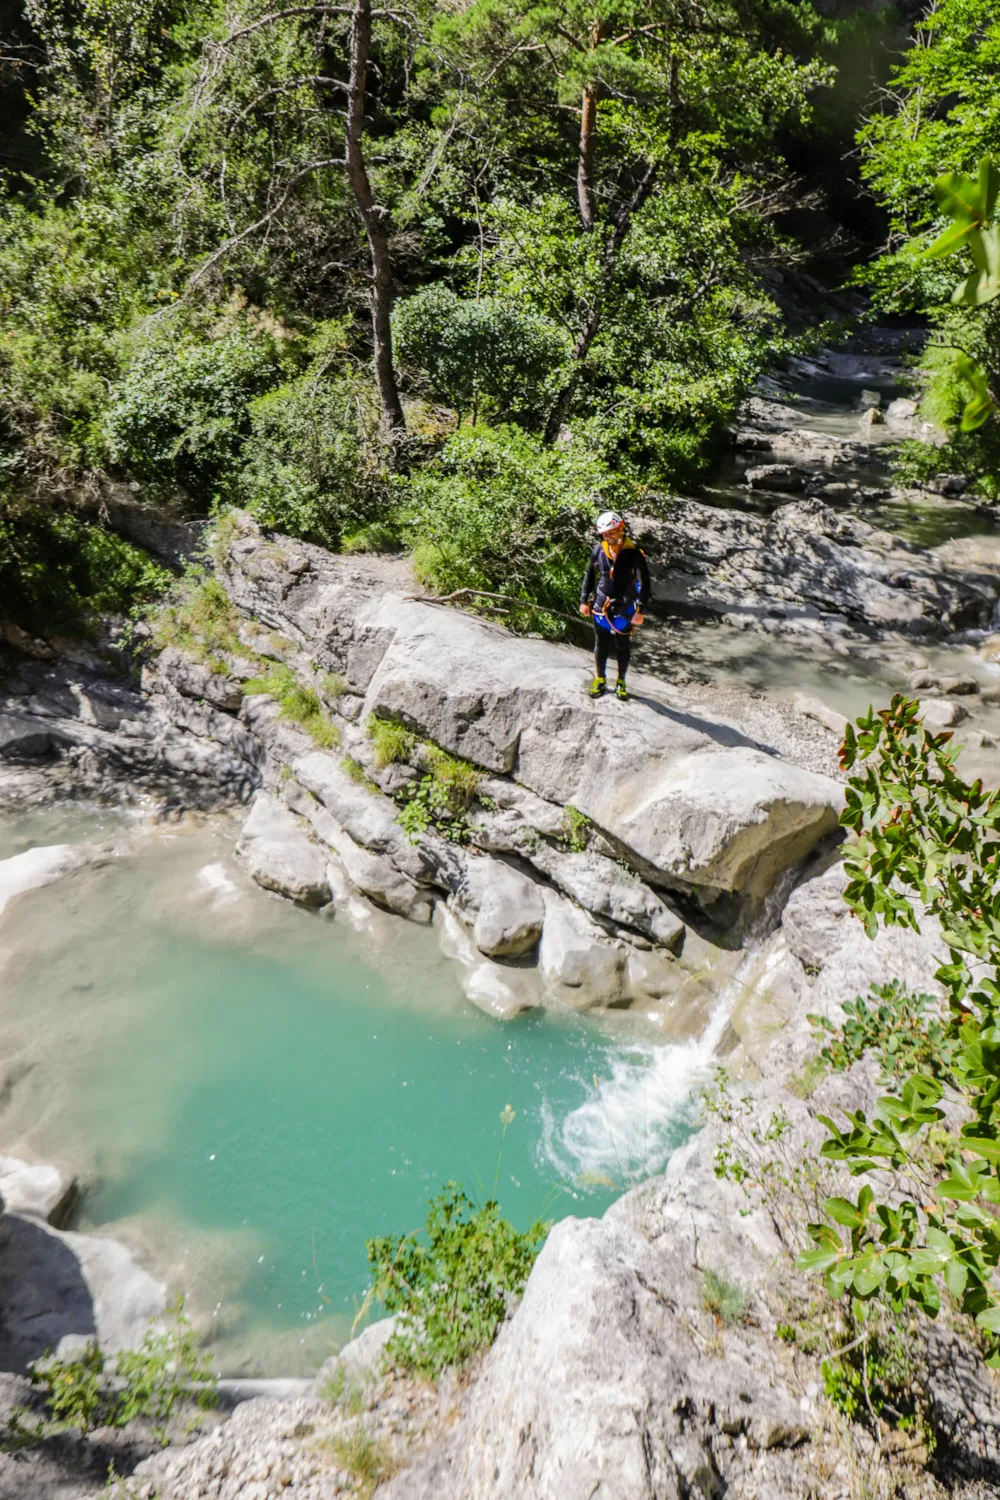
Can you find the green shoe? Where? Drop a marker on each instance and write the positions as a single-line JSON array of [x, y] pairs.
[[598, 687], [621, 691]]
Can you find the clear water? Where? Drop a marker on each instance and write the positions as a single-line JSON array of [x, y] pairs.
[[253, 1091]]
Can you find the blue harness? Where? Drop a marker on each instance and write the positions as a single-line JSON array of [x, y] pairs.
[[619, 624]]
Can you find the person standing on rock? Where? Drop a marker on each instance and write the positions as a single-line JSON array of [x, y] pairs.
[[618, 578]]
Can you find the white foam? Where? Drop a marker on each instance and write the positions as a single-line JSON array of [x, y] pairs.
[[214, 878], [628, 1127]]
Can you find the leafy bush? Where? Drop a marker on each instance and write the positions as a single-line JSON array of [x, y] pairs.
[[575, 834], [58, 572], [298, 703], [181, 412], [450, 1289], [498, 511], [905, 1031], [314, 464], [924, 835], [486, 357], [149, 1382]]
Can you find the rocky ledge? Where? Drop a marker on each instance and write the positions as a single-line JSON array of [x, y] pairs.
[[593, 835]]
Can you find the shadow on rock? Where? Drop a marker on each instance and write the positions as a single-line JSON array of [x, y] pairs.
[[43, 1293]]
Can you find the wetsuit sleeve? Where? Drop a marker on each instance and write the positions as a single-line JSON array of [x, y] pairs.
[[643, 580], [589, 578]]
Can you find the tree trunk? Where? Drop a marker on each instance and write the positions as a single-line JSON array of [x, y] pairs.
[[373, 218], [592, 323], [588, 144]]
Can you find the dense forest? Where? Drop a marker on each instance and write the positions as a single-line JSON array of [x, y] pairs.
[[445, 275]]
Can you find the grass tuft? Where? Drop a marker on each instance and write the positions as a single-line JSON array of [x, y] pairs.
[[299, 704], [392, 741], [726, 1300], [367, 1459]]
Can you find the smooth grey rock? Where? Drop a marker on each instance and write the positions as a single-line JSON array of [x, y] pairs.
[[23, 737], [37, 867], [782, 477], [498, 991], [814, 708], [197, 681], [872, 418], [280, 855], [376, 877], [37, 1190], [506, 907], [808, 562], [870, 400], [901, 411], [942, 713], [814, 916], [360, 1360], [579, 966], [604, 889]]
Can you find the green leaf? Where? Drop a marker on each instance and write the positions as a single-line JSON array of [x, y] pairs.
[[960, 197], [956, 1274], [953, 238], [990, 1318], [816, 1261], [843, 1211]]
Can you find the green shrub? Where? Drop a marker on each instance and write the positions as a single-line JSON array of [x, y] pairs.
[[575, 834], [498, 511], [298, 703], [92, 1391], [905, 1031], [724, 1299], [485, 357], [358, 774], [59, 572], [314, 464], [393, 742], [181, 412], [450, 1287]]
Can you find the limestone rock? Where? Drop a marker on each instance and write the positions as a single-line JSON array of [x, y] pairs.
[[376, 877], [360, 1359], [872, 418], [901, 411], [280, 855], [870, 400], [37, 867], [604, 889], [507, 907], [814, 708], [808, 562], [942, 713], [23, 737], [197, 681], [499, 990], [593, 1387], [814, 917], [37, 1190], [782, 477], [579, 966]]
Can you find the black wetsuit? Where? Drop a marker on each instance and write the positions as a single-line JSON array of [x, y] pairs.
[[620, 585]]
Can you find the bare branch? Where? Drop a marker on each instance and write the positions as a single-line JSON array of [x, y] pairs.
[[266, 219]]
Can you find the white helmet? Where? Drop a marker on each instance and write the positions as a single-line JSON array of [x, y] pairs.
[[608, 520]]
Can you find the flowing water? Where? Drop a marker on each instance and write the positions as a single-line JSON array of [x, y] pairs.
[[251, 1091]]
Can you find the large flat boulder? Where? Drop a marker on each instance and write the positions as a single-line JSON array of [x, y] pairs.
[[694, 798]]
